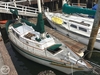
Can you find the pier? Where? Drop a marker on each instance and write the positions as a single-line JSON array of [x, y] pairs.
[[6, 64], [22, 9]]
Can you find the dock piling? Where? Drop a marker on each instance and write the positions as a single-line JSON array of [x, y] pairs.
[[94, 32]]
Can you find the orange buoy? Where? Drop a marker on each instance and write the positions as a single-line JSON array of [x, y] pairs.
[[3, 21]]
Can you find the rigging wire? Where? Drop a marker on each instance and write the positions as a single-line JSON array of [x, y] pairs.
[[72, 68]]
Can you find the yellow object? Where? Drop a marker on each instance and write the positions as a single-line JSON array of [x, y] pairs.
[[57, 20]]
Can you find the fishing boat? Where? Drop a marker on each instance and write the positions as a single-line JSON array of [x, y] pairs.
[[34, 43]]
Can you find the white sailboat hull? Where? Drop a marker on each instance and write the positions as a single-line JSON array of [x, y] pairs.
[[44, 61]]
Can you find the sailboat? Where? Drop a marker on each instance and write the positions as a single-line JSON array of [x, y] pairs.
[[74, 26], [34, 43]]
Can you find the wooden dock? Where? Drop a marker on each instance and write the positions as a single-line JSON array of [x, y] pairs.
[[6, 64]]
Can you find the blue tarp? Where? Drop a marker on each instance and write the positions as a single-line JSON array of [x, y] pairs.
[[95, 7]]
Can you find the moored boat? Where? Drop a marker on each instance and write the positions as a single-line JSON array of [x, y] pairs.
[[34, 43], [76, 27]]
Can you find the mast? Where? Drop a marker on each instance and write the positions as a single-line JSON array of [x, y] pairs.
[[40, 22], [39, 5]]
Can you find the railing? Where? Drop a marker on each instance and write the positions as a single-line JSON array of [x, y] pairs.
[[22, 10]]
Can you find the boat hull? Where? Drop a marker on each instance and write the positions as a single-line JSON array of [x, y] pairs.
[[75, 36], [47, 62]]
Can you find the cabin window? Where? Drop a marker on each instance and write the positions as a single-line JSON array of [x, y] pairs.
[[64, 22], [74, 26], [82, 29]]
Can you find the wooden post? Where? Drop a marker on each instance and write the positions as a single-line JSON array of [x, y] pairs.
[[78, 2], [94, 31], [56, 5]]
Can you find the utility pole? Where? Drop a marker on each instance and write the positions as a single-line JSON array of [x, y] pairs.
[[94, 31]]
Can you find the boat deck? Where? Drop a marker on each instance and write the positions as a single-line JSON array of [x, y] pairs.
[[74, 45]]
